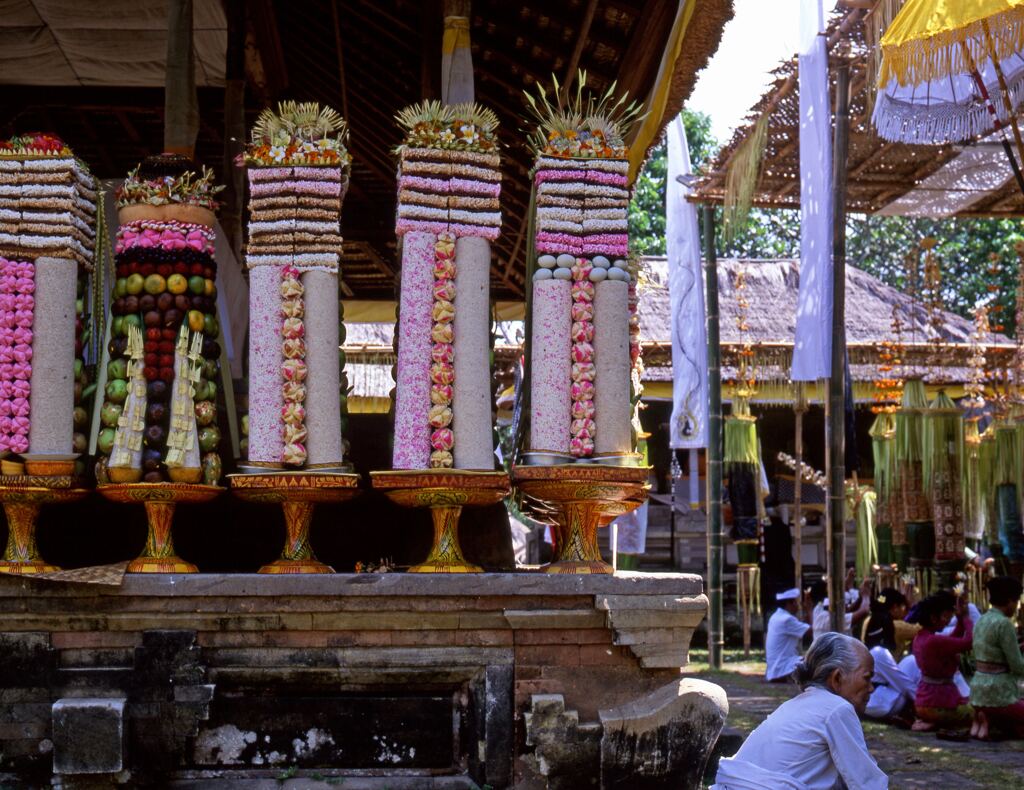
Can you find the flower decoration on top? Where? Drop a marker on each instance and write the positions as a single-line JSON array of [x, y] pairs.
[[188, 188], [573, 127], [298, 134], [464, 127], [34, 144]]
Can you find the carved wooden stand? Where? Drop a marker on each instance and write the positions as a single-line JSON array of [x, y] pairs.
[[21, 506], [160, 500], [445, 492], [582, 497], [298, 494]]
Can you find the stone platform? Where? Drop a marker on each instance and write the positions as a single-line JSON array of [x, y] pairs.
[[367, 674]]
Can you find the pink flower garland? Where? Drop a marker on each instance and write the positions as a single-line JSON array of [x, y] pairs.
[[581, 391], [442, 354], [293, 369], [165, 234], [17, 309]]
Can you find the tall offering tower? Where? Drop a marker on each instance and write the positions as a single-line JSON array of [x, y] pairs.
[[298, 175]]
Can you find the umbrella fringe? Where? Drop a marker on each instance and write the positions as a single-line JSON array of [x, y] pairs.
[[943, 122], [920, 60]]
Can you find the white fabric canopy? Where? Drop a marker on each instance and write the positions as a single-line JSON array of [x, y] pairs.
[[812, 352], [689, 421], [115, 42]]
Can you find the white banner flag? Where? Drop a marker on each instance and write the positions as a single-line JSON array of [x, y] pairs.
[[812, 351], [689, 423]]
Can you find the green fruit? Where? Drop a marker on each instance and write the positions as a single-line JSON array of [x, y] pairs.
[[209, 438], [105, 441], [341, 334], [213, 390], [206, 413], [245, 424], [79, 307], [132, 319], [117, 391], [210, 368], [211, 327], [117, 369], [202, 390], [197, 284], [121, 287], [80, 418], [212, 468], [110, 413], [155, 284], [79, 443], [134, 284], [117, 326], [78, 367]]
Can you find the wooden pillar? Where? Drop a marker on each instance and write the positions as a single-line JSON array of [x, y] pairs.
[[181, 104], [716, 638], [234, 126], [836, 390]]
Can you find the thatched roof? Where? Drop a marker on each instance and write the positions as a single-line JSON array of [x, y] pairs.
[[772, 288], [368, 60], [878, 171]]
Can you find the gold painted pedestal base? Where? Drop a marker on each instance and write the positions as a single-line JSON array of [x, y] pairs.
[[445, 492], [21, 506], [579, 498], [297, 493], [160, 500]]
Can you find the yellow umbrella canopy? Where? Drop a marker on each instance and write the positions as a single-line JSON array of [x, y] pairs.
[[933, 39]]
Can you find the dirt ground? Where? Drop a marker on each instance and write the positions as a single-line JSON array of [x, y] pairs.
[[912, 760]]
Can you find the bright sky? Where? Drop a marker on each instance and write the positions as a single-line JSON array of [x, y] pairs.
[[760, 35]]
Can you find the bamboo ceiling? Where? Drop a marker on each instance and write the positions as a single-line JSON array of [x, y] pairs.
[[878, 171]]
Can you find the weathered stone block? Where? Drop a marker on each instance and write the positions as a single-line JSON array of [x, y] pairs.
[[88, 736], [662, 740], [565, 752]]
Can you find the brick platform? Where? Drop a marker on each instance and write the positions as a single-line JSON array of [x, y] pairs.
[[363, 670]]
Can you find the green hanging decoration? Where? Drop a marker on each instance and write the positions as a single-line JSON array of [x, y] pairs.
[[741, 435], [977, 483], [882, 432], [909, 423], [912, 532], [741, 461], [942, 440]]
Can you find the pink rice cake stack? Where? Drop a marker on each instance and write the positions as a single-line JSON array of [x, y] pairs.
[[47, 201], [449, 191]]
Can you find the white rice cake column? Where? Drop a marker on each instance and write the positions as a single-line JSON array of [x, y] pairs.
[[266, 443], [611, 368], [550, 366], [415, 321], [471, 406], [323, 404], [52, 395]]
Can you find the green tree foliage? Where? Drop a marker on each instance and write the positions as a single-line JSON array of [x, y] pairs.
[[878, 245]]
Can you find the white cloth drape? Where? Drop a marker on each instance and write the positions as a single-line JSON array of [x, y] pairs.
[[812, 352], [689, 422]]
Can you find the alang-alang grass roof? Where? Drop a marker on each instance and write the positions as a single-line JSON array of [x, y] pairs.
[[102, 65]]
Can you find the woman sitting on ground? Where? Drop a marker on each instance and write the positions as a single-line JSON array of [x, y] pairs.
[[894, 610], [893, 697], [814, 740], [995, 694], [938, 702]]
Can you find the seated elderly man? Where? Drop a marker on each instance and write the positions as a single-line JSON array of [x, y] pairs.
[[782, 642], [815, 739]]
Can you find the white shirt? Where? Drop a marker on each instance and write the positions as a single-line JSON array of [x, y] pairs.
[[822, 624], [812, 740], [782, 645], [973, 612], [892, 687]]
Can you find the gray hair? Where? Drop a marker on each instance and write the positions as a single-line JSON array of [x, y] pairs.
[[829, 652]]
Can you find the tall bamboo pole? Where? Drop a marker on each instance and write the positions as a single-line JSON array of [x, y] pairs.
[[836, 390], [798, 530], [714, 464]]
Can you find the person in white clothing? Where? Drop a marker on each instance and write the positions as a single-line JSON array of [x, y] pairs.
[[857, 605], [815, 740], [782, 642]]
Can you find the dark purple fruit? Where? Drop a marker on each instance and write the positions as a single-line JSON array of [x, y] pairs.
[[147, 302], [156, 412], [157, 390], [165, 301], [182, 302], [118, 346], [211, 349], [151, 460], [130, 304], [173, 317], [152, 318], [153, 477], [198, 302], [155, 436]]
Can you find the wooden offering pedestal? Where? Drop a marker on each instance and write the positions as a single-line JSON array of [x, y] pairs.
[[445, 492], [21, 502], [160, 499], [582, 498], [298, 494]]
